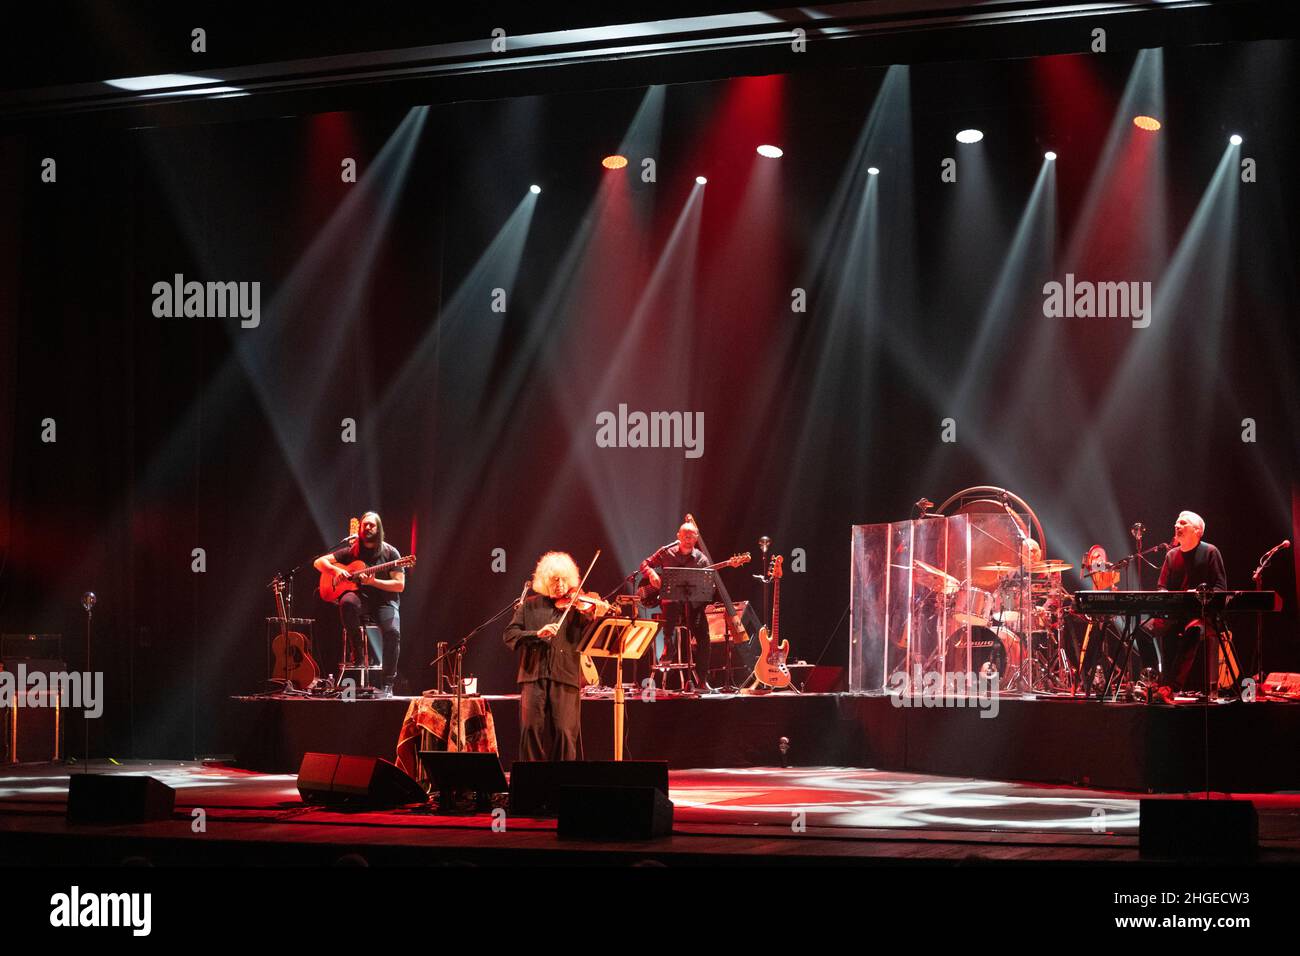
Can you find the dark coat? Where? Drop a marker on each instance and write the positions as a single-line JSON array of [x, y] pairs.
[[539, 659]]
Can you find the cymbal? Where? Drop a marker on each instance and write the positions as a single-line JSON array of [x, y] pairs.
[[1051, 566], [1001, 567], [935, 579]]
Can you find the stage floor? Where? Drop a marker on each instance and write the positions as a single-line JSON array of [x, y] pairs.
[[760, 814]]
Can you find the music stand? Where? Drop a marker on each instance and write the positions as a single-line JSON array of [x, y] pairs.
[[619, 638], [688, 585], [692, 587]]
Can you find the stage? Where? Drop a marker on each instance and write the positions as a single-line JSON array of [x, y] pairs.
[[763, 815], [1129, 747]]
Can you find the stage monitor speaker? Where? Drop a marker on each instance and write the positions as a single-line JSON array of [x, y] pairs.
[[450, 772], [535, 784], [118, 798], [339, 779], [614, 813], [1198, 829]]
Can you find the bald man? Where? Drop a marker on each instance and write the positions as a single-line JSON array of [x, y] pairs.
[[684, 554], [1189, 563]]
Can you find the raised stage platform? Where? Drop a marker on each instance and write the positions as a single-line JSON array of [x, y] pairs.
[[1132, 747]]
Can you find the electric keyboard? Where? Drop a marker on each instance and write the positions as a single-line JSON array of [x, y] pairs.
[[1174, 602]]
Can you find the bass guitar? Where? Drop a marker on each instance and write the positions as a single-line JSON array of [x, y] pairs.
[[333, 586], [770, 668]]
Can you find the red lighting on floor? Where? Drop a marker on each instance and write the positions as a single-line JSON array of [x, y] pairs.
[[614, 162], [1148, 123]]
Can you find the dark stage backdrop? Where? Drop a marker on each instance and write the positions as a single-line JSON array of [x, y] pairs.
[[472, 333]]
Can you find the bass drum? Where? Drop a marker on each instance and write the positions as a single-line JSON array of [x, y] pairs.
[[998, 646]]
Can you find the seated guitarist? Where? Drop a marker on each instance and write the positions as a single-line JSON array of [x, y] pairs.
[[684, 554], [377, 597]]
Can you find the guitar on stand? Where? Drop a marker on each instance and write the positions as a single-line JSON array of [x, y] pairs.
[[770, 669], [292, 662]]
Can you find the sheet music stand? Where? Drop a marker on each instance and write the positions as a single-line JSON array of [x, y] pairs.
[[621, 639], [693, 587], [696, 586]]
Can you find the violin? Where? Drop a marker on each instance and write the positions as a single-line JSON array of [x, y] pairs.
[[585, 602]]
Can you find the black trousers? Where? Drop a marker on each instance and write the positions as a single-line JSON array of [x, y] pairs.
[[693, 618], [389, 622], [1180, 639], [550, 720]]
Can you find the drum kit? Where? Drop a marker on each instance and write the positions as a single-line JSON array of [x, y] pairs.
[[1015, 628]]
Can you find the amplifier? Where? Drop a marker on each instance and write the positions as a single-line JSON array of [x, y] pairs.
[[28, 647], [1282, 684], [33, 728]]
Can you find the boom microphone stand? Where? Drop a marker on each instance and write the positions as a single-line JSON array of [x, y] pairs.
[[1258, 578]]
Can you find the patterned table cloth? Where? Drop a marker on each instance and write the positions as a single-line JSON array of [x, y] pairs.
[[428, 725]]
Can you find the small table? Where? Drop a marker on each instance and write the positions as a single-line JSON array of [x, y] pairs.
[[429, 725]]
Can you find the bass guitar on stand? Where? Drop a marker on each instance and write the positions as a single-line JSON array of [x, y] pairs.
[[770, 668]]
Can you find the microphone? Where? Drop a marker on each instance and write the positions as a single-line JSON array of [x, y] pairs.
[[1281, 547], [764, 543], [523, 595], [1137, 530]]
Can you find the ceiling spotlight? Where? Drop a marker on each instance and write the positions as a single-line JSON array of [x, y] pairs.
[[771, 152], [1235, 139], [872, 171], [701, 180], [534, 189], [969, 136], [614, 162], [1049, 155], [1148, 123]]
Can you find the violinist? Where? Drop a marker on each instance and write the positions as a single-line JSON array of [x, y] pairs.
[[545, 633]]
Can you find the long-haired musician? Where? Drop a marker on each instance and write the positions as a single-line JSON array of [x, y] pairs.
[[550, 671], [378, 597]]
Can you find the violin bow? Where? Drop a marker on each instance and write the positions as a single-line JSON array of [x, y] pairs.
[[565, 615]]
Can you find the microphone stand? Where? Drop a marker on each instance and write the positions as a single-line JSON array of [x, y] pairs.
[[458, 650], [1258, 578]]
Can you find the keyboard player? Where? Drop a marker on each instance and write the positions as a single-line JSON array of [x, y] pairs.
[[1190, 563]]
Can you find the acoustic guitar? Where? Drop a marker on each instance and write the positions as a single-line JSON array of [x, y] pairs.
[[292, 660], [770, 668], [334, 586]]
